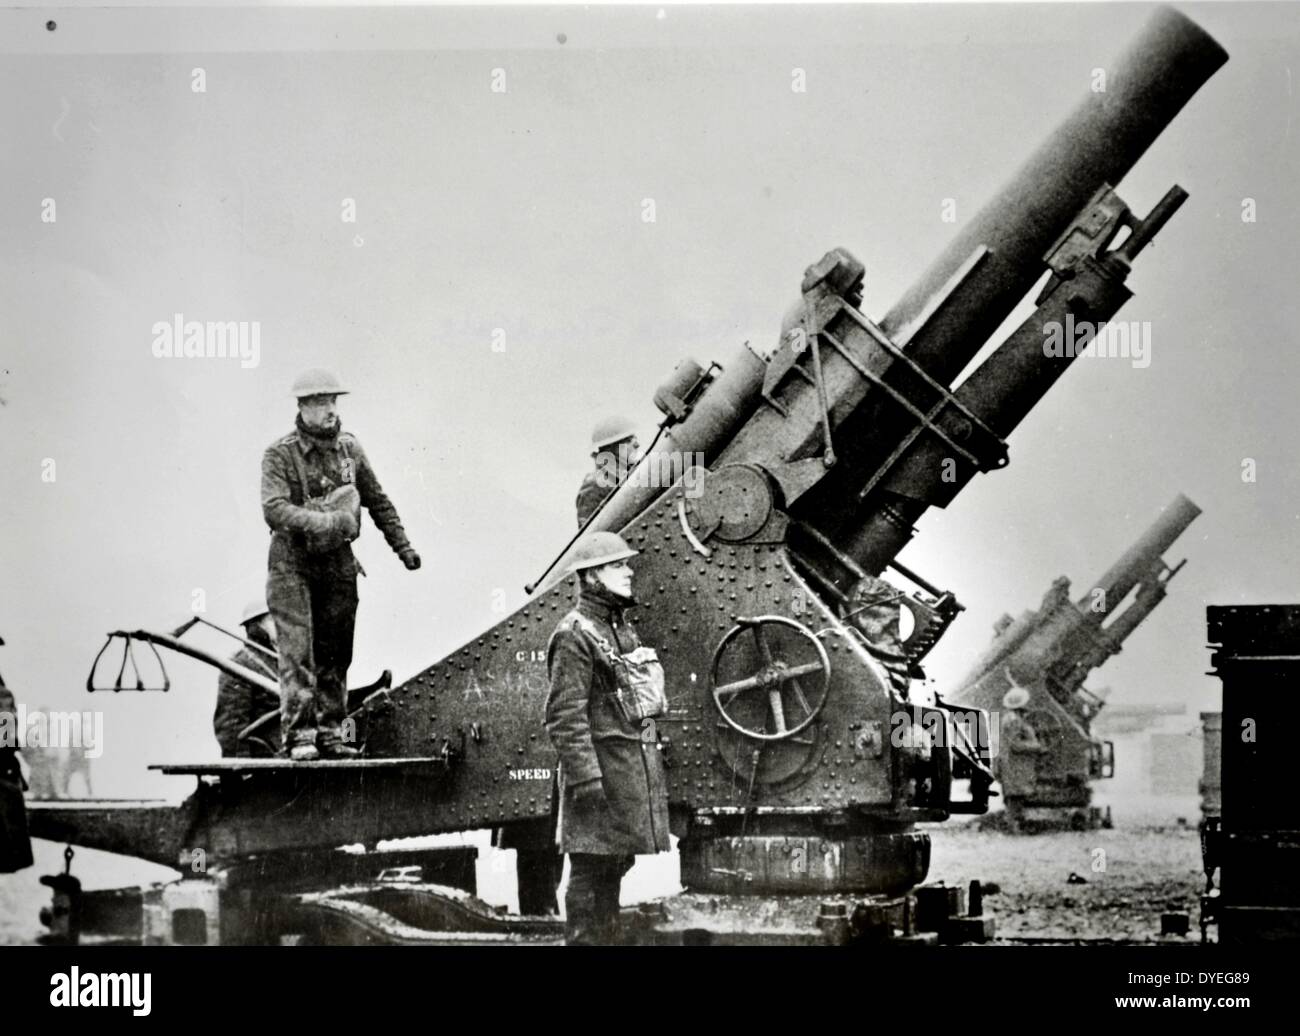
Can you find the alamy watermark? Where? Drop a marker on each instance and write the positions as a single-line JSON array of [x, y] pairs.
[[659, 470], [35, 728], [221, 339], [1113, 339]]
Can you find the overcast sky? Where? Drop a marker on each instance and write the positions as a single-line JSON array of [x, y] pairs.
[[522, 211]]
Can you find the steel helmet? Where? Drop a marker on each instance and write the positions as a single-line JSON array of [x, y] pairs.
[[317, 382], [611, 430], [599, 548], [1016, 698], [254, 610]]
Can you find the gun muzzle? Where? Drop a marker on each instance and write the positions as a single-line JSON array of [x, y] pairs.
[[1142, 562], [1096, 145]]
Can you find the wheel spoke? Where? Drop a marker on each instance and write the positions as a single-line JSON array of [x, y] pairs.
[[799, 696], [764, 648], [778, 709], [728, 691], [796, 671]]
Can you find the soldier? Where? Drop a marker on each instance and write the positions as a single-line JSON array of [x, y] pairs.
[[240, 703], [539, 867], [875, 611], [615, 451], [15, 843], [605, 692], [1018, 748], [314, 482]]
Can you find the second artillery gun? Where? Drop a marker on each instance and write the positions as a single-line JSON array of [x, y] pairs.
[[801, 756], [1049, 758]]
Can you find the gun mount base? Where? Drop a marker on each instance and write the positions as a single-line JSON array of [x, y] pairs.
[[1032, 820], [805, 864]]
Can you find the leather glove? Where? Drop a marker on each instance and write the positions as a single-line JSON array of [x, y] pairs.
[[410, 559], [588, 795]]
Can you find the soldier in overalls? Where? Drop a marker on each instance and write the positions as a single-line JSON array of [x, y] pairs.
[[314, 482], [606, 690]]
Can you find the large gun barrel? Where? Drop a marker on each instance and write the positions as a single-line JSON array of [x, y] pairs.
[[1097, 144], [857, 423]]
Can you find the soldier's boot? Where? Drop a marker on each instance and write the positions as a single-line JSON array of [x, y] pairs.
[[338, 750], [584, 901], [610, 911], [582, 925], [539, 872], [304, 753]]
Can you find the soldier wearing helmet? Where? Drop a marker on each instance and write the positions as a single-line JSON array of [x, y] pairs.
[[538, 868], [615, 452], [1018, 747], [240, 703], [606, 690], [314, 483]]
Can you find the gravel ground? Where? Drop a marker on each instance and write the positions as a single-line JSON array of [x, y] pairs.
[[1132, 875]]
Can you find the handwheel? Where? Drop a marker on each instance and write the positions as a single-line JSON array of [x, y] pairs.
[[772, 680]]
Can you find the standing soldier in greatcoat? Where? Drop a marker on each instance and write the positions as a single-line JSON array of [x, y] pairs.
[[606, 690], [314, 483]]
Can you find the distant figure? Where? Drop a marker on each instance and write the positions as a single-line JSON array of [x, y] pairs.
[[77, 765], [15, 843], [240, 703], [315, 480], [615, 452], [1018, 747], [47, 764]]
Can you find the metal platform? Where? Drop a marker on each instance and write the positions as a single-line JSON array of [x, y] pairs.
[[232, 766]]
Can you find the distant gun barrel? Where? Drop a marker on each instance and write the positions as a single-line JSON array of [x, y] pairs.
[[1143, 563]]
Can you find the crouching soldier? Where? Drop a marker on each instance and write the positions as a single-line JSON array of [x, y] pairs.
[[606, 690], [239, 703]]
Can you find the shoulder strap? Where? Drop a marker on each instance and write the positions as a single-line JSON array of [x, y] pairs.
[[301, 468], [576, 620]]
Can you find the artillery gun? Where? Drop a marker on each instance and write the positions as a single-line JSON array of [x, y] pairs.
[[801, 759], [1047, 766]]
